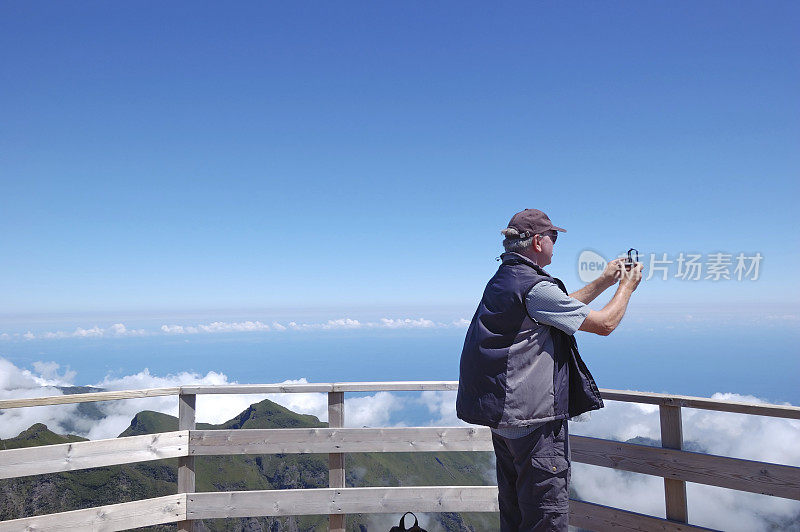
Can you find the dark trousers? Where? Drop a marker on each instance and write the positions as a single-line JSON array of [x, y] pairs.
[[533, 479]]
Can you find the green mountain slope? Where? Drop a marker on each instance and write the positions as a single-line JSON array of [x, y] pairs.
[[82, 489], [37, 434]]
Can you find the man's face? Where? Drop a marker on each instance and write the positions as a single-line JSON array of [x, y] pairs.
[[546, 242]]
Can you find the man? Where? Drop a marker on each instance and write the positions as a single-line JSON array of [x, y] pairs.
[[522, 375]]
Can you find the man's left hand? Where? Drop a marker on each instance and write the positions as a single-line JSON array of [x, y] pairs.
[[613, 270]]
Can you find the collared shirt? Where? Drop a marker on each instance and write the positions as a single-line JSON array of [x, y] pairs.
[[547, 304]]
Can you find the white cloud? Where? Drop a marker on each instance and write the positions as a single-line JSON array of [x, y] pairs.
[[13, 379], [119, 330], [383, 323], [441, 405], [49, 374], [88, 333], [115, 330], [244, 326], [16, 383], [342, 323], [781, 317], [371, 411], [407, 323], [179, 329]]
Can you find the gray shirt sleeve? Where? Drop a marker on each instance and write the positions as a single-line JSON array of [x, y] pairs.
[[547, 304]]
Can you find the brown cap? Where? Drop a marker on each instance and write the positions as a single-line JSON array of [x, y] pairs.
[[532, 222]]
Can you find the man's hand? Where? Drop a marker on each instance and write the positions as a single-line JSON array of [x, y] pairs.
[[603, 322], [630, 279], [608, 278], [614, 270]]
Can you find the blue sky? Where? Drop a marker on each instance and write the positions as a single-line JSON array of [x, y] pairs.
[[198, 157]]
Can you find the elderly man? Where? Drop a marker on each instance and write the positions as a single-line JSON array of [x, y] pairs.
[[522, 375]]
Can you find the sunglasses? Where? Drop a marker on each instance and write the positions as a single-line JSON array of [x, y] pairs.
[[553, 236]]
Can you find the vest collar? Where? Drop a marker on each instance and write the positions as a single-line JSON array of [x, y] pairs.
[[512, 257]]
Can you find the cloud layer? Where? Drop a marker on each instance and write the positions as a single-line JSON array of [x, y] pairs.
[[46, 378], [642, 318], [120, 330]]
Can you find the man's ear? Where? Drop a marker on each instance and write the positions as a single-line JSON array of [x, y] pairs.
[[537, 243]]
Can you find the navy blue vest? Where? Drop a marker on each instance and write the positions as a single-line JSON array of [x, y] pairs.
[[514, 371]]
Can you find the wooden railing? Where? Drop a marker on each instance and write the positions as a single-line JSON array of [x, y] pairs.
[[672, 463]]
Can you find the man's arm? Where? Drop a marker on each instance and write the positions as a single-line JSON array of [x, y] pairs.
[[588, 293], [604, 321]]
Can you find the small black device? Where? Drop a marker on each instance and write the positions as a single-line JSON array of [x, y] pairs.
[[630, 261]]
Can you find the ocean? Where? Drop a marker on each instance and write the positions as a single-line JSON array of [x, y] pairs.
[[765, 364]]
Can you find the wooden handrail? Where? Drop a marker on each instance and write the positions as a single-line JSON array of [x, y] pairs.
[[761, 409], [88, 397], [702, 403]]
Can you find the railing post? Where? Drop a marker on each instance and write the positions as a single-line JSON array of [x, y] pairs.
[[336, 522], [672, 438], [186, 409]]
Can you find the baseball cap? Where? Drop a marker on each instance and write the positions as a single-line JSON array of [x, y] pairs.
[[532, 222]]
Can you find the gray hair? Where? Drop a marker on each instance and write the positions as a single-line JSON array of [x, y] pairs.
[[513, 242]]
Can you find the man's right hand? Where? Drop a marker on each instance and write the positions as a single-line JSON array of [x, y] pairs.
[[630, 279]]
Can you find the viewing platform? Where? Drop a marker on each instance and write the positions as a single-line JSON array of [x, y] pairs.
[[186, 507]]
